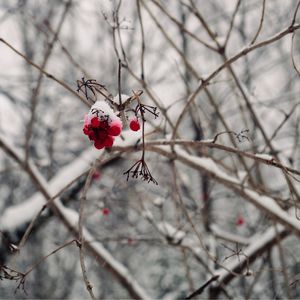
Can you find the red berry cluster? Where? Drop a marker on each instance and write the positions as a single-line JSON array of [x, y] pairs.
[[102, 132]]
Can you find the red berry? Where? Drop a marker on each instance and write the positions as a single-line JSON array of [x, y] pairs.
[[92, 135], [134, 124], [108, 142], [101, 135], [115, 129], [86, 130], [240, 221], [103, 124], [105, 211], [96, 175], [95, 122], [99, 144]]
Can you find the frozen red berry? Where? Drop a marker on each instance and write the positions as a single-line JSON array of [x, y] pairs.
[[99, 144], [92, 135], [95, 122], [105, 211], [101, 135], [115, 128], [103, 125], [86, 130], [134, 124], [109, 141], [240, 221]]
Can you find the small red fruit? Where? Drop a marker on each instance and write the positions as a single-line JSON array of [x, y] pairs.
[[95, 122], [92, 135], [99, 144], [105, 211], [115, 129], [109, 141], [86, 130], [96, 175], [103, 124], [134, 124], [240, 221], [101, 135]]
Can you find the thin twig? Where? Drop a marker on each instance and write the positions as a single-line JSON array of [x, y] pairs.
[[143, 40], [293, 55], [211, 144], [260, 23], [231, 23], [204, 82], [180, 25], [50, 76], [83, 200], [295, 14], [34, 97], [102, 256]]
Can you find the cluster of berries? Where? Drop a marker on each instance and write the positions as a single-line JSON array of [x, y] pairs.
[[102, 125]]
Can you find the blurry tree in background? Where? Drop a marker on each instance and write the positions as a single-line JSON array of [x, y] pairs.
[[223, 221]]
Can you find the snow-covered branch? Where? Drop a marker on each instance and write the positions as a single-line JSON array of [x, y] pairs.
[[264, 203], [11, 218]]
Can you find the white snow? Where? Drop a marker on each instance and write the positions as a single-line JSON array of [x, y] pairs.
[[207, 164], [147, 214], [235, 238], [158, 201], [168, 230], [24, 212], [242, 175], [21, 213], [207, 141], [264, 156], [259, 241], [103, 110], [268, 204]]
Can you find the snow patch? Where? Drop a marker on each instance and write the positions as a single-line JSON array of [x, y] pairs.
[[24, 212], [264, 156], [158, 201], [147, 214], [170, 231]]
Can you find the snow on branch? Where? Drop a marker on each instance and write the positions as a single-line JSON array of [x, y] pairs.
[[228, 236], [261, 242], [265, 203], [15, 216]]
